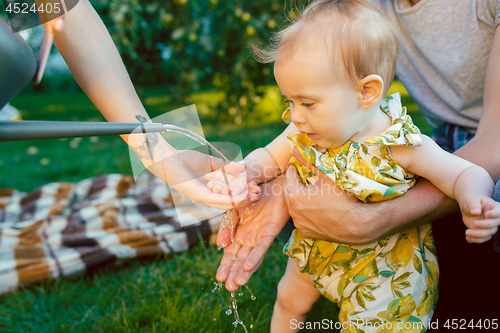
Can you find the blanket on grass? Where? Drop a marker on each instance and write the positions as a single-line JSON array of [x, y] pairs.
[[61, 229]]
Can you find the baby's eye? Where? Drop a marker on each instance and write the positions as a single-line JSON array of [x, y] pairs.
[[307, 105]]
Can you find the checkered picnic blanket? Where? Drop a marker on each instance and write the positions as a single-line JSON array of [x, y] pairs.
[[61, 229]]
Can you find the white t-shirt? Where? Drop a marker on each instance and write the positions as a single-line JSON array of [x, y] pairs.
[[444, 49]]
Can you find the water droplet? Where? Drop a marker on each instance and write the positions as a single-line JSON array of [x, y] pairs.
[[216, 319], [252, 296], [240, 294], [235, 323], [228, 312], [219, 248], [223, 244], [234, 258], [251, 326], [217, 286]]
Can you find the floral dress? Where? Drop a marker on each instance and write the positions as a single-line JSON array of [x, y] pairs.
[[389, 285]]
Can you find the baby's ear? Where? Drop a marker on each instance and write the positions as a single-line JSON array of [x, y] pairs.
[[370, 90]]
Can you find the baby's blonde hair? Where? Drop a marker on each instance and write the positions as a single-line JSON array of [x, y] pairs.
[[366, 39]]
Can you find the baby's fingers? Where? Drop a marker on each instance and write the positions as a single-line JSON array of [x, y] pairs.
[[472, 206], [226, 190], [479, 235], [486, 224], [216, 188], [491, 208], [477, 240], [254, 188], [216, 175]]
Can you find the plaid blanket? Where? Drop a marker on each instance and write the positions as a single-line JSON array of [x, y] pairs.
[[61, 229]]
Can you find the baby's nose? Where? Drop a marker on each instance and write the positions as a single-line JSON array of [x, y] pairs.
[[297, 116]]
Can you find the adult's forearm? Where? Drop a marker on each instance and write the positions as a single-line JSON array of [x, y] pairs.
[[367, 222], [94, 61], [425, 202], [484, 151]]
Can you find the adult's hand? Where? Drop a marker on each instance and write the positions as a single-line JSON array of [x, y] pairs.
[[253, 237], [323, 210], [184, 171]]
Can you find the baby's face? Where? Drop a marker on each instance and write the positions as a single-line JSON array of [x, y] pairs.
[[323, 105]]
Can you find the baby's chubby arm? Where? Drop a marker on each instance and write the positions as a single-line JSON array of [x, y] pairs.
[[262, 165], [459, 179]]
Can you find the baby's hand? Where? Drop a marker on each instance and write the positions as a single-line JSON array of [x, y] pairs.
[[230, 184], [482, 216]]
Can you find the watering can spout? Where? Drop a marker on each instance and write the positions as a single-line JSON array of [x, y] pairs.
[[36, 130]]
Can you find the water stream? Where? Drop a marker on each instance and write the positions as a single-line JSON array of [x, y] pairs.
[[227, 216], [196, 137], [233, 306]]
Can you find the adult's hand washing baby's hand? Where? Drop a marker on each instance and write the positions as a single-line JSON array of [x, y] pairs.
[[185, 170], [220, 181]]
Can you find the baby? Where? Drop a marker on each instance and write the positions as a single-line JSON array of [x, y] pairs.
[[334, 65]]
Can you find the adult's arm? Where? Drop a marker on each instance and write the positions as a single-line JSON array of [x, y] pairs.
[[343, 220], [483, 149], [96, 65]]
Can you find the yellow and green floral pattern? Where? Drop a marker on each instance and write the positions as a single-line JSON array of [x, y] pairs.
[[389, 285]]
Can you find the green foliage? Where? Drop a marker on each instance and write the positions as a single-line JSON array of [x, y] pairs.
[[190, 44], [3, 13]]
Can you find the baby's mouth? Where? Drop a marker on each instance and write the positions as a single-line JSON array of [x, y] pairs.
[[313, 136]]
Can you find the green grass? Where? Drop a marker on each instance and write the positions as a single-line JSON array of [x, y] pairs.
[[160, 295], [171, 294]]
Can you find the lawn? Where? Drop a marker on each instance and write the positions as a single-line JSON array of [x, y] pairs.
[[166, 294]]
